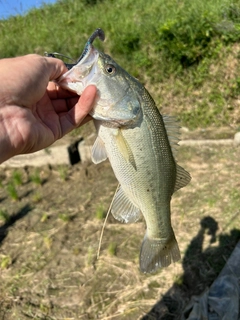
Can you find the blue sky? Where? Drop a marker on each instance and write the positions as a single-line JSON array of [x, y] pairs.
[[14, 7]]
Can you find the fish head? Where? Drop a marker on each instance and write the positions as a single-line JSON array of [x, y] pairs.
[[117, 100]]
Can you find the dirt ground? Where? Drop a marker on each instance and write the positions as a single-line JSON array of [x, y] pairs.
[[50, 230]]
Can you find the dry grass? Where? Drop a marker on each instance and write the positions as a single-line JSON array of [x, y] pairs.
[[53, 272]]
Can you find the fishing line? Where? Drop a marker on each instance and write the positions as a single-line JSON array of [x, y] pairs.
[[54, 54], [104, 224]]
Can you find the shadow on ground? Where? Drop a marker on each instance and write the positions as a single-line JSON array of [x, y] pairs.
[[11, 221], [201, 268]]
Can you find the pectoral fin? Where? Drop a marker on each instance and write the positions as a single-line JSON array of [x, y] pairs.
[[99, 153], [123, 209], [124, 148]]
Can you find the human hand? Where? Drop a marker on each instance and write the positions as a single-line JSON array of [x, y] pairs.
[[33, 111]]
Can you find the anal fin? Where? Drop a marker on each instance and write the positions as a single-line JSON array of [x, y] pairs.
[[182, 178]]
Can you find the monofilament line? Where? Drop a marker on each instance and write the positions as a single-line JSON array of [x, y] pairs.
[[104, 224]]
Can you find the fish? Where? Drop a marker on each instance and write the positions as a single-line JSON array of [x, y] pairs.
[[141, 146]]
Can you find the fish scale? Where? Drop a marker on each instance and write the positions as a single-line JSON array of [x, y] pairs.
[[140, 145]]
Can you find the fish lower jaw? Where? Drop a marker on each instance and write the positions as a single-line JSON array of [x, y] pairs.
[[71, 86]]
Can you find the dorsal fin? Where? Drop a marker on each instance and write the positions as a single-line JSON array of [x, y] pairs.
[[173, 132]]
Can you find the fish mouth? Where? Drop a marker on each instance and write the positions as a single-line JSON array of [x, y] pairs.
[[87, 71], [81, 74]]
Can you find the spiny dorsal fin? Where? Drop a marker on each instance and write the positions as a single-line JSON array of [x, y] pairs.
[[173, 132]]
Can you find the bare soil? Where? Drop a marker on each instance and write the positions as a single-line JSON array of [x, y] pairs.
[[49, 239]]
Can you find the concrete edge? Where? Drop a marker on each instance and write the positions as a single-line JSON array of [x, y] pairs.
[[70, 154]]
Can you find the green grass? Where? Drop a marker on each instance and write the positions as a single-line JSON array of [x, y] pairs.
[[112, 249], [65, 217], [100, 212], [178, 49], [17, 178], [44, 217], [36, 178], [63, 172], [37, 197], [12, 191], [5, 262], [4, 216]]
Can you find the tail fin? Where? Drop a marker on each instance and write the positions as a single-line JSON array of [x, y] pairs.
[[158, 253]]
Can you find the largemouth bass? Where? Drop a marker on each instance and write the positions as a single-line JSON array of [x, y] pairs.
[[140, 145]]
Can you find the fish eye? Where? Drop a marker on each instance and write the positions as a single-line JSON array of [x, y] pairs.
[[110, 69]]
